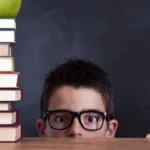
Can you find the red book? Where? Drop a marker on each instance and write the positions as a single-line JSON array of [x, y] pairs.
[[10, 94], [10, 133]]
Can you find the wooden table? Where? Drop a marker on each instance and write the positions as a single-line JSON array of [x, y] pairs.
[[77, 144]]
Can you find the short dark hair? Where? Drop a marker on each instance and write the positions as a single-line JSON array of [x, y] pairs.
[[78, 73]]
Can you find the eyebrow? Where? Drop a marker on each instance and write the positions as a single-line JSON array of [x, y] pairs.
[[84, 109], [92, 110]]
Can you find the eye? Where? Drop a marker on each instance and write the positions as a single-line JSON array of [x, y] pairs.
[[91, 119], [60, 119]]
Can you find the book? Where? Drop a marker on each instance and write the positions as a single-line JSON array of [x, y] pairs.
[[7, 36], [5, 106], [7, 64], [9, 79], [8, 117], [9, 23], [10, 94], [5, 49], [10, 133]]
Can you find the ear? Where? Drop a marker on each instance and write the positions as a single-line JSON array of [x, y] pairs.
[[40, 126], [112, 128], [148, 136]]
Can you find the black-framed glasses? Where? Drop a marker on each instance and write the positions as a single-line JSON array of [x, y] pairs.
[[91, 120]]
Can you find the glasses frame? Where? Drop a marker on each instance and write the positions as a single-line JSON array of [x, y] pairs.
[[75, 114]]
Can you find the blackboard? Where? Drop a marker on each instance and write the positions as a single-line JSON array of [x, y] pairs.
[[113, 34]]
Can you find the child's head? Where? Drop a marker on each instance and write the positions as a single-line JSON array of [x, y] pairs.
[[77, 101]]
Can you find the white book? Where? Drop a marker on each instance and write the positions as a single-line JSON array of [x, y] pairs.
[[8, 117], [7, 36], [7, 24], [10, 94], [5, 106], [9, 80], [7, 64]]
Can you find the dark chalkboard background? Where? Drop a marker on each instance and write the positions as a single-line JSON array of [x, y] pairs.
[[114, 34]]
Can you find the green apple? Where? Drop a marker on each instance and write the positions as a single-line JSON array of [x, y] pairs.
[[9, 8]]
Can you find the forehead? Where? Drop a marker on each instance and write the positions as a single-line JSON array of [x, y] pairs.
[[76, 99]]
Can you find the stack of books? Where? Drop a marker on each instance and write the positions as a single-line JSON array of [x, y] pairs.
[[10, 129]]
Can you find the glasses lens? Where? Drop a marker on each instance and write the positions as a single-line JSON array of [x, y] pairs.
[[60, 120], [92, 120]]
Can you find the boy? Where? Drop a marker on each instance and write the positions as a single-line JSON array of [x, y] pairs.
[[77, 102]]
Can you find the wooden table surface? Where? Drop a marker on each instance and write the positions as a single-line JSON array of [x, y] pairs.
[[78, 144]]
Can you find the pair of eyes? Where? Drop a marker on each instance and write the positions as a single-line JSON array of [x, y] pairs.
[[85, 119]]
